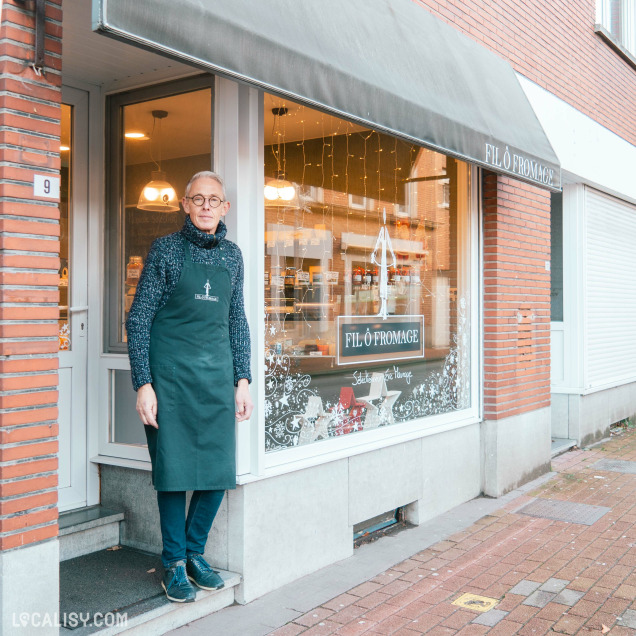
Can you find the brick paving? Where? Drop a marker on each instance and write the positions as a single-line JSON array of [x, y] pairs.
[[548, 576]]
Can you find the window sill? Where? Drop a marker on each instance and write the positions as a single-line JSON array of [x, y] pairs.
[[605, 35], [288, 462], [121, 461], [323, 452]]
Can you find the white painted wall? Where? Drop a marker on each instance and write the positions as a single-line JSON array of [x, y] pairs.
[[589, 153], [592, 362]]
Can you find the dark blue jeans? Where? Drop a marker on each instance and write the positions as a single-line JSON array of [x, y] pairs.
[[183, 536]]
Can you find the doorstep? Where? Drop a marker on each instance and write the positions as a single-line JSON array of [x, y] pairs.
[[561, 445], [87, 530], [118, 590]]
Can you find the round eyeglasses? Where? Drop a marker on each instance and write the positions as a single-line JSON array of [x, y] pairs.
[[199, 200]]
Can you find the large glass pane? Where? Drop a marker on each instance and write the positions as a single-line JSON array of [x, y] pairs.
[[124, 426], [366, 278], [619, 18], [556, 258], [66, 145], [155, 134], [163, 142]]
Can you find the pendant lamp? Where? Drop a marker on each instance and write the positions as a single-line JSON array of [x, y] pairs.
[[158, 195], [279, 192]]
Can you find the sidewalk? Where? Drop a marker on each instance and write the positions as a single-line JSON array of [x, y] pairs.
[[543, 575]]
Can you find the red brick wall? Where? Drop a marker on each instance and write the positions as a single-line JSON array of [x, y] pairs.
[[554, 45], [516, 297], [29, 249]]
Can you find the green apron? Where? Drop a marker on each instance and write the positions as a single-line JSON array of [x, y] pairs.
[[192, 374]]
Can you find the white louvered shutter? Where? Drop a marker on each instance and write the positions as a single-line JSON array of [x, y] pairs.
[[610, 289]]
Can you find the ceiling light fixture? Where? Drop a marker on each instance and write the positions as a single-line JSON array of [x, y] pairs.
[[158, 195], [136, 135], [279, 192]]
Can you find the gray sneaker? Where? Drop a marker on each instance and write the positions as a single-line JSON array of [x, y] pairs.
[[176, 585]]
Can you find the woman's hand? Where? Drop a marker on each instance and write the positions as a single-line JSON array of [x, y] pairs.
[[147, 405], [244, 404]]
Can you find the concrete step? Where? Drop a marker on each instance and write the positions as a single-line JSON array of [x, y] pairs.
[[561, 445], [167, 616], [88, 530], [118, 590]]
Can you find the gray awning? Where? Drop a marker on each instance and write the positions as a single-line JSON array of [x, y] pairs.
[[388, 64]]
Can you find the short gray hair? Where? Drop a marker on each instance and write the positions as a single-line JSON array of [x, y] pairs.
[[206, 174]]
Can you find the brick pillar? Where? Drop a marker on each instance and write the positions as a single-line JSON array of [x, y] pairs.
[[29, 262], [516, 430]]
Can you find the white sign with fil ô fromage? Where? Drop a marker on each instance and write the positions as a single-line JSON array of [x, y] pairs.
[[513, 162], [373, 339]]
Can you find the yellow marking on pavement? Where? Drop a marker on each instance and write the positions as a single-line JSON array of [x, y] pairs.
[[474, 602]]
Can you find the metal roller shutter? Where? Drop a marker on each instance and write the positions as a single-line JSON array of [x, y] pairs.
[[610, 289]]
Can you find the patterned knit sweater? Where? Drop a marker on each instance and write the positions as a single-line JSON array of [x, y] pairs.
[[159, 279]]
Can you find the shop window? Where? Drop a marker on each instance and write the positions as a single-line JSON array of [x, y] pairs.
[[556, 257], [158, 134], [616, 20], [158, 138], [66, 144], [367, 279]]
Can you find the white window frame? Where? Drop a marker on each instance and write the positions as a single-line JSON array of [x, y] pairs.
[[297, 458], [358, 205], [627, 38], [110, 363]]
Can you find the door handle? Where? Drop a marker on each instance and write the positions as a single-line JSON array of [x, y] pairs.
[[79, 308]]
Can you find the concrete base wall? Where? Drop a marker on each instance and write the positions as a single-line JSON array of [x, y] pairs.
[[276, 530], [299, 522], [292, 525], [88, 541], [132, 491], [451, 470], [587, 418], [29, 605], [515, 450]]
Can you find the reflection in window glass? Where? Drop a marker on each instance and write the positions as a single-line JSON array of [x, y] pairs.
[[619, 18], [165, 141], [124, 426], [156, 134], [366, 279], [66, 145], [556, 257]]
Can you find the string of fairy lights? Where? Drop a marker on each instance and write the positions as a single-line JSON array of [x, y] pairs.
[[297, 223], [354, 188]]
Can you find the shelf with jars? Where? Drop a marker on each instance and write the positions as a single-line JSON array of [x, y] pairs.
[[301, 294], [63, 325], [362, 286], [133, 273], [62, 286]]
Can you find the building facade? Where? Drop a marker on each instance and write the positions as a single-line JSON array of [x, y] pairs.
[[437, 252]]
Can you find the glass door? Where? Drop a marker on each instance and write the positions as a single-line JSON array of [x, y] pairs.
[[73, 300]]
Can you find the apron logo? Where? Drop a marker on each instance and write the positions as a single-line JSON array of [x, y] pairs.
[[206, 296]]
